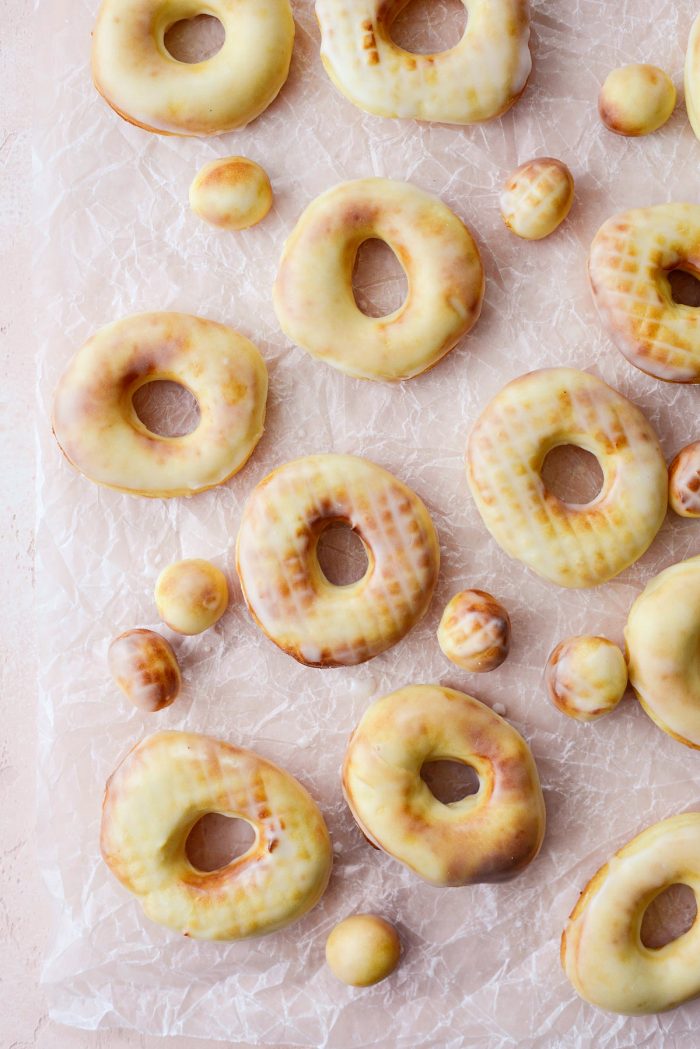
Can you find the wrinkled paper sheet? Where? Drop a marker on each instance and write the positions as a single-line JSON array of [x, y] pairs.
[[115, 236]]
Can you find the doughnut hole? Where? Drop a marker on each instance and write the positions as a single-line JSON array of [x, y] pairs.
[[636, 100], [586, 677], [474, 631], [166, 408], [342, 556], [216, 840], [145, 668], [537, 197], [362, 950], [450, 781], [684, 481], [379, 281], [191, 596], [572, 474], [670, 914], [195, 39], [424, 27], [233, 193], [684, 284]]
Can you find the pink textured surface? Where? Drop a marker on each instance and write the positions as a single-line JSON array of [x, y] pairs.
[[596, 794]]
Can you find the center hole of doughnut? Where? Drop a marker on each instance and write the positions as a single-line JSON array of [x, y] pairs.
[[668, 916], [426, 27], [572, 474], [685, 287], [379, 281], [341, 555], [449, 781], [216, 840], [166, 408], [195, 39]]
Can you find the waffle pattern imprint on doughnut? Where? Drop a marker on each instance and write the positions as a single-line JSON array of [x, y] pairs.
[[631, 257], [288, 595], [569, 544]]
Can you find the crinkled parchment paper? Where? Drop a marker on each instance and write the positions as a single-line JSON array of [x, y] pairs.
[[116, 236]]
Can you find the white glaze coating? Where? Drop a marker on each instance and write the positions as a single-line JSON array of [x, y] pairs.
[[145, 668], [313, 294], [571, 545], [287, 593], [663, 650], [157, 794], [631, 255], [474, 631], [191, 595], [143, 83], [480, 78], [692, 77], [231, 193], [684, 481], [537, 198], [602, 952], [586, 677], [636, 100], [363, 949]]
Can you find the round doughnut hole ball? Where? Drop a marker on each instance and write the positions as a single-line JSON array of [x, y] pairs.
[[684, 482], [537, 198], [586, 677], [474, 631], [636, 100], [233, 193], [191, 596], [145, 668], [362, 950]]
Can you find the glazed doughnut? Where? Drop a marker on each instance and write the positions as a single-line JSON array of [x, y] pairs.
[[99, 432], [692, 77], [474, 631], [569, 544], [191, 595], [631, 257], [138, 77], [488, 836], [480, 78], [636, 100], [684, 481], [145, 668], [537, 198], [231, 193], [153, 800], [586, 677], [601, 949], [663, 641], [288, 595], [362, 950], [313, 293]]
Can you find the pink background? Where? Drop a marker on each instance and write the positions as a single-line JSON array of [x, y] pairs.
[[598, 791]]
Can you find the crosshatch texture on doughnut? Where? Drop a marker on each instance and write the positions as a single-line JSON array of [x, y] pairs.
[[488, 836], [162, 788], [142, 82], [479, 78], [570, 545], [287, 594], [313, 295], [631, 257], [99, 432]]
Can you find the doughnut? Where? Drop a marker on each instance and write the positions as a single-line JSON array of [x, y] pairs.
[[145, 668], [692, 77], [601, 949], [231, 193], [480, 78], [631, 257], [362, 950], [684, 481], [663, 640], [100, 434], [153, 800], [488, 836], [586, 677], [474, 631], [142, 82], [191, 595], [537, 198], [572, 545], [313, 294], [288, 596], [636, 100]]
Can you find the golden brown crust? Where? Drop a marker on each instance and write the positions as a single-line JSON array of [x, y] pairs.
[[145, 668], [684, 481], [474, 631]]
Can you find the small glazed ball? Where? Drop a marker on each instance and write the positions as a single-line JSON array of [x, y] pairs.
[[145, 667], [684, 481], [362, 950], [537, 198], [191, 596], [474, 631], [232, 193], [636, 100], [586, 677]]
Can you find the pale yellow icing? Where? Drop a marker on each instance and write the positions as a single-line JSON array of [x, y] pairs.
[[537, 198]]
